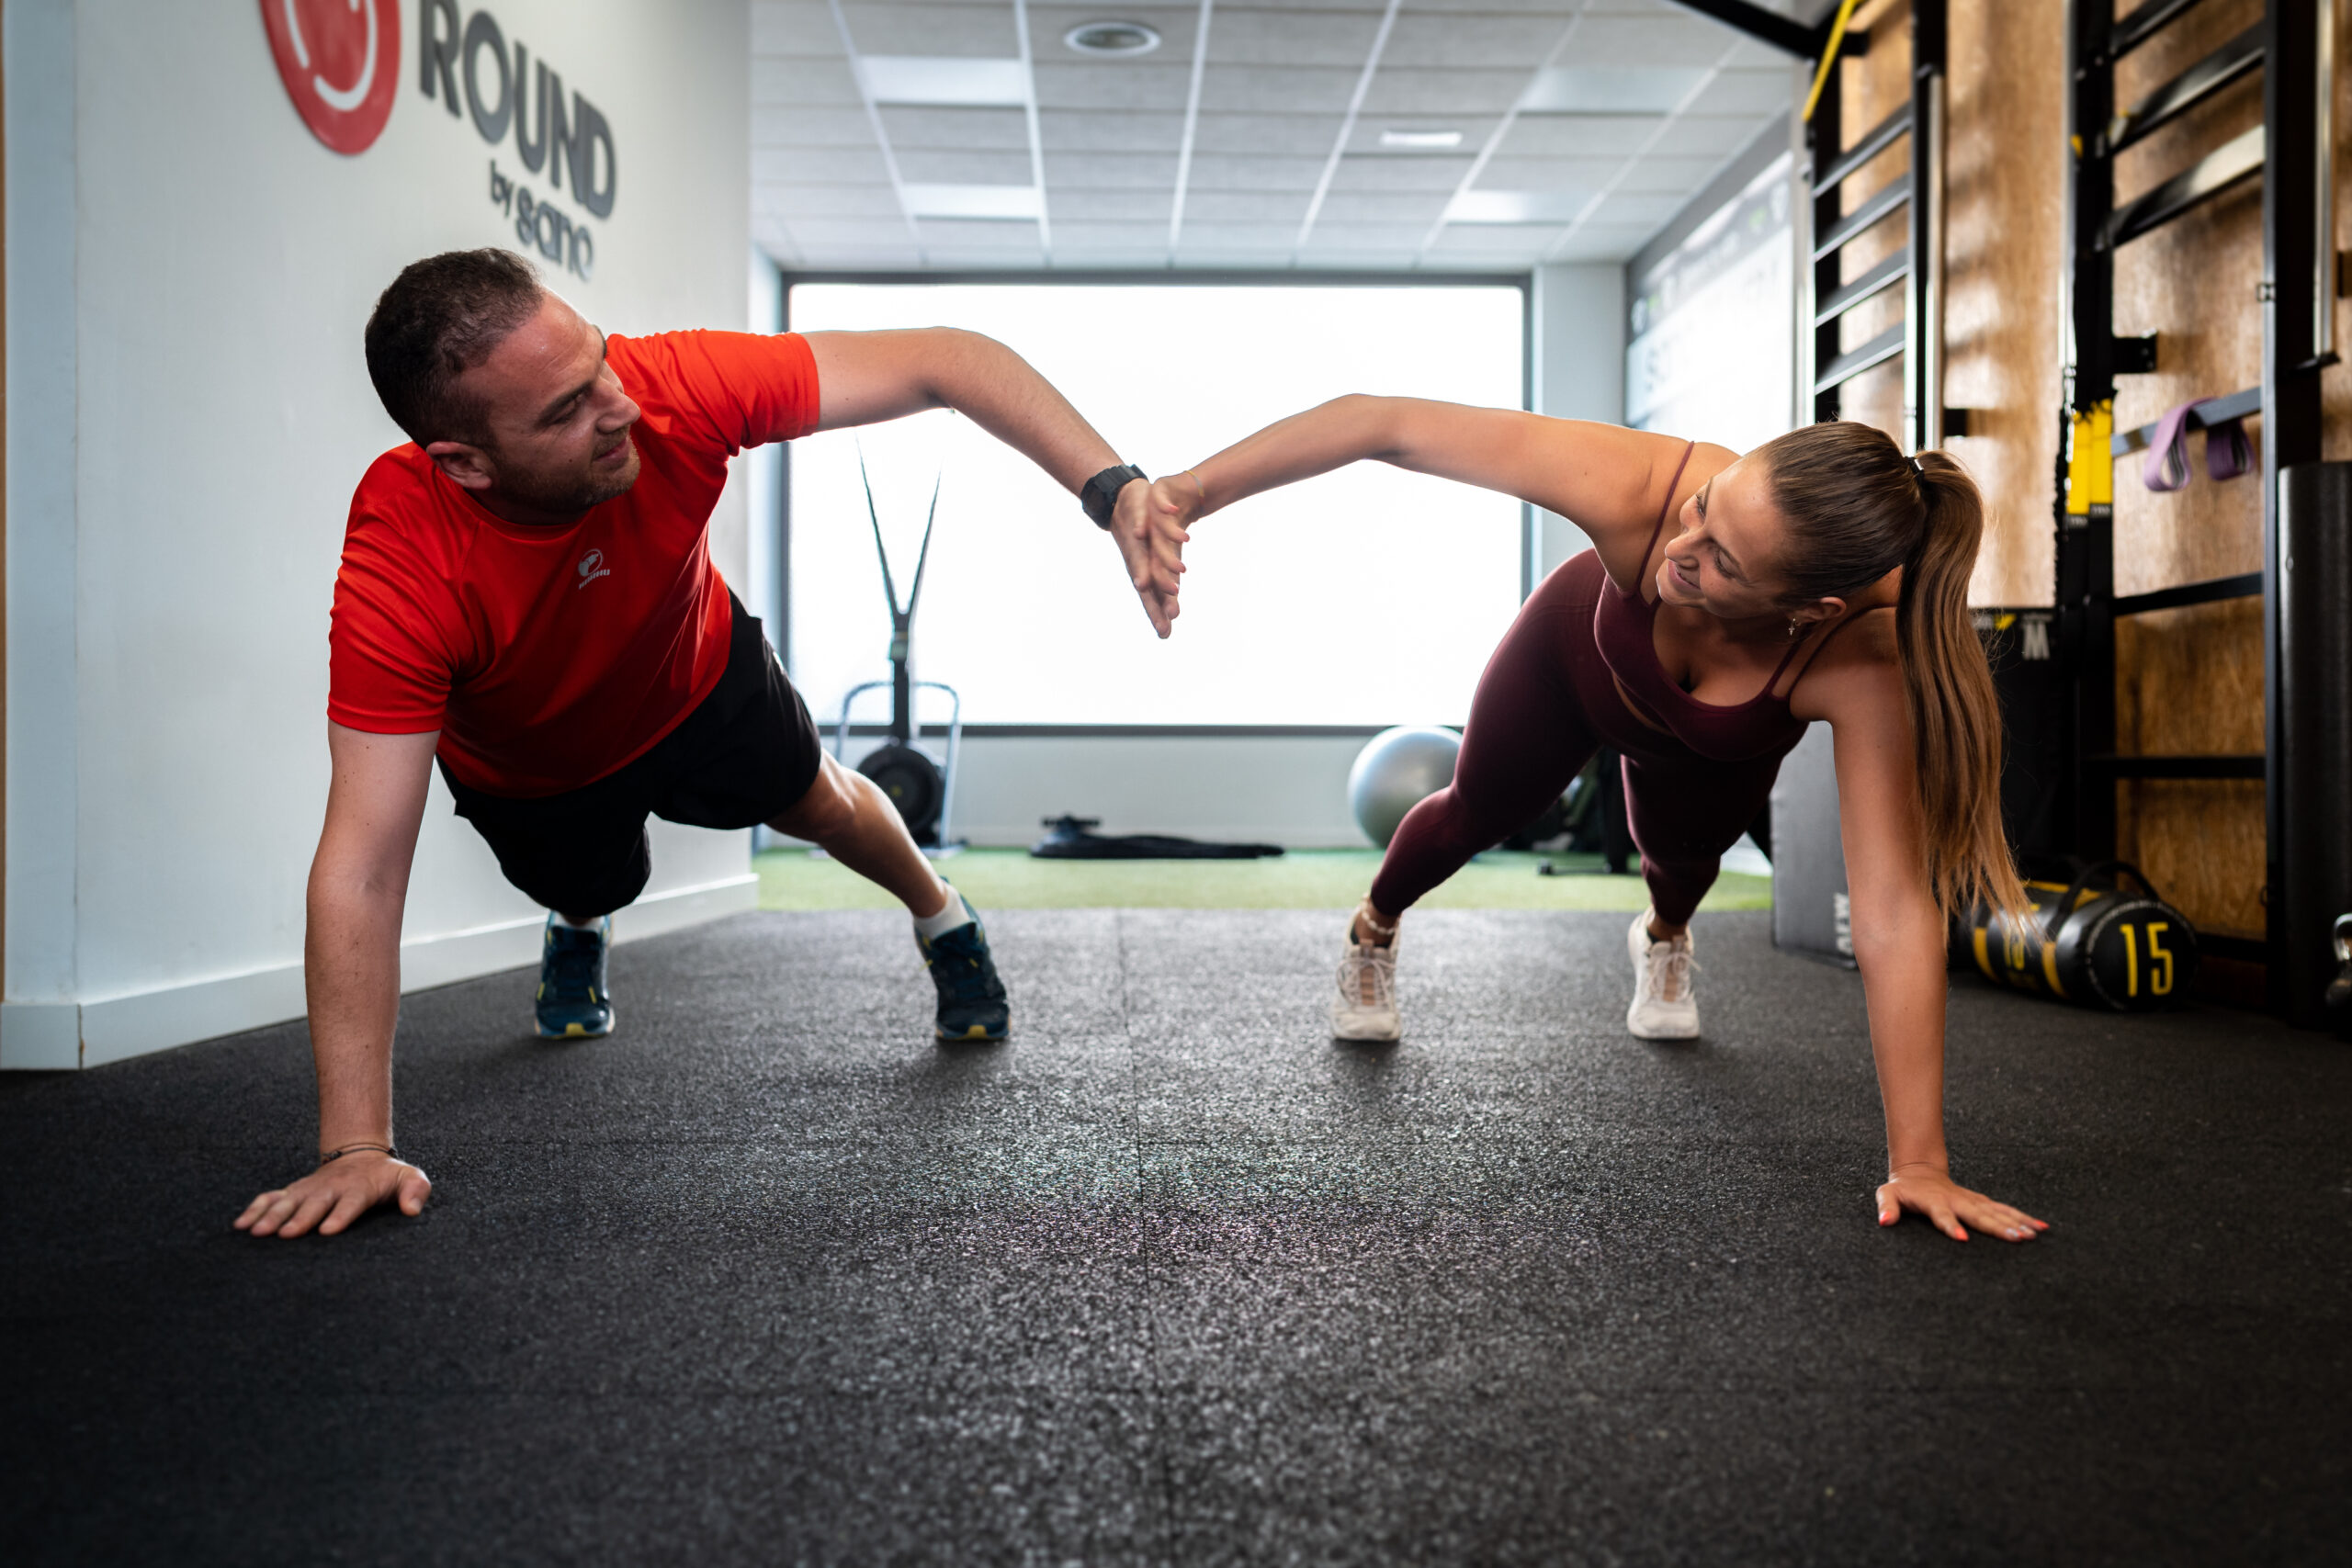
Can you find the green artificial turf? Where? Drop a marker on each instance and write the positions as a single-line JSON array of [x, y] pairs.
[[1304, 879]]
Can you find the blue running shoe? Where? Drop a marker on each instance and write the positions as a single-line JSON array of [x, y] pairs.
[[573, 1003], [971, 998]]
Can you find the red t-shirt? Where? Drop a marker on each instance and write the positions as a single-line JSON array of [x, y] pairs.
[[547, 658]]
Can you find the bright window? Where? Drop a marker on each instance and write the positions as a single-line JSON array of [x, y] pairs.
[[1365, 597]]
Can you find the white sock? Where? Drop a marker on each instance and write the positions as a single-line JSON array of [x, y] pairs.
[[952, 915], [563, 919]]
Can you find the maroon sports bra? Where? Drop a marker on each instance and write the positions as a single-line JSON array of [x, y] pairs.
[[1624, 630]]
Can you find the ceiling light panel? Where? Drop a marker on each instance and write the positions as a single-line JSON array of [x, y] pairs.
[[1359, 172], [991, 130], [1517, 205], [943, 79], [1403, 89], [1617, 89], [989, 203], [1074, 83], [1420, 141]]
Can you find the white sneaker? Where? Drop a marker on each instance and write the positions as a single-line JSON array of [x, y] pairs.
[[1365, 1007], [1665, 1008]]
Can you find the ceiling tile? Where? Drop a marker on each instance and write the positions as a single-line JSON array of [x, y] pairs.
[[974, 30], [1292, 38], [1393, 174], [1530, 241], [1682, 176], [966, 129], [796, 202], [1749, 91], [1561, 9], [773, 127], [977, 234], [1232, 258], [1112, 171], [1079, 204], [1262, 135], [1361, 258], [793, 26], [1516, 43], [1578, 135], [1604, 242], [1473, 128], [1067, 130], [1517, 209], [1710, 136], [1673, 38], [1246, 207], [820, 165], [1070, 235], [1549, 174], [1443, 92], [1237, 236], [1109, 258], [1637, 207], [815, 231], [978, 258], [1278, 89], [1361, 236], [931, 165], [795, 80], [1223, 172], [1418, 207], [1114, 84]]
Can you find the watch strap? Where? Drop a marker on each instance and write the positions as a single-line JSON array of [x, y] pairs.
[[1100, 495]]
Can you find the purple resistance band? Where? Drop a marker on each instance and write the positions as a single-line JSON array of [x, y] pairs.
[[2228, 453]]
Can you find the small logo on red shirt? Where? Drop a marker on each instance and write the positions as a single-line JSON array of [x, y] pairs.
[[340, 60], [591, 567]]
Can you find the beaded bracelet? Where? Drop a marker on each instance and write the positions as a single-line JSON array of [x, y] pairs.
[[333, 1155]]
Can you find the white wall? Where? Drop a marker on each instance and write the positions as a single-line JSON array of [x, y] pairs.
[[1579, 366], [189, 412]]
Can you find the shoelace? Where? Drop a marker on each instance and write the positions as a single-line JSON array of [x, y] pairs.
[[1366, 980], [1671, 967], [572, 969]]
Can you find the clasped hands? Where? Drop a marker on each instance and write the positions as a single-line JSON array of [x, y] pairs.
[[1151, 522]]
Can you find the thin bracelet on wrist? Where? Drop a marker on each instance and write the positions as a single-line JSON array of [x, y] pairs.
[[331, 1155], [1199, 486]]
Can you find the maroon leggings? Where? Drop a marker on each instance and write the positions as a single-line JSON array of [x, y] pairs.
[[1546, 702]]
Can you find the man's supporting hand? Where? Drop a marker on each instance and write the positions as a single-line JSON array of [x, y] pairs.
[[336, 1193], [1154, 552]]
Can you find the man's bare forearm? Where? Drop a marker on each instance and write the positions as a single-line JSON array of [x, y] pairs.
[[1004, 395], [351, 964]]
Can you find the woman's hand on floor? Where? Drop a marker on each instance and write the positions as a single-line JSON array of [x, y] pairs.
[[1951, 1208], [336, 1193]]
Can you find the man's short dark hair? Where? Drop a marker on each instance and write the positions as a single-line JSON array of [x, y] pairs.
[[441, 316]]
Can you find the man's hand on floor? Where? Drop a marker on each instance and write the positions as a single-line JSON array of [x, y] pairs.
[[336, 1193]]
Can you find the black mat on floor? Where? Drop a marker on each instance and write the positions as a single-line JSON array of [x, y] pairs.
[[1171, 1278]]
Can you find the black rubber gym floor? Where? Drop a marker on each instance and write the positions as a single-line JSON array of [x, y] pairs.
[[1172, 1277]]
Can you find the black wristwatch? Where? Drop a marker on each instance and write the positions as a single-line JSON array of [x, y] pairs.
[[1101, 496]]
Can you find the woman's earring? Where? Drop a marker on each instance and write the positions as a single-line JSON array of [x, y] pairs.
[[1792, 629]]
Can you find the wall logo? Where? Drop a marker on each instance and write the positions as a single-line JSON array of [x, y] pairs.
[[591, 567], [340, 60]]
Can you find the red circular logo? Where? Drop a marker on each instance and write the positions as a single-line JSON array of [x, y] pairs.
[[340, 60]]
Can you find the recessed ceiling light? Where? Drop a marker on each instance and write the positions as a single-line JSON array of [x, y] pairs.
[[1420, 139], [1118, 39]]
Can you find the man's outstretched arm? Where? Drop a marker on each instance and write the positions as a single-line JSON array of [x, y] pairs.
[[351, 957], [866, 378]]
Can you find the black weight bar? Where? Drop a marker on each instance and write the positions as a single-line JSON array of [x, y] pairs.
[[2224, 166], [2247, 585]]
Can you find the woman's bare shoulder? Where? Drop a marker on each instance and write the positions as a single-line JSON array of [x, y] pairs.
[[1856, 672]]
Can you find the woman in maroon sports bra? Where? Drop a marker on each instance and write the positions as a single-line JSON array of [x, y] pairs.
[[1727, 603]]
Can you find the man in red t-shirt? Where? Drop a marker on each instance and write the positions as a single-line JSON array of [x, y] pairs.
[[526, 596]]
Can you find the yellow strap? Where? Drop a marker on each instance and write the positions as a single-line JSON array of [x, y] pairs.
[[1828, 57]]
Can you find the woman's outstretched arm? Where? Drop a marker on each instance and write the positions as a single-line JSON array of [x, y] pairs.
[[1610, 480], [1898, 930]]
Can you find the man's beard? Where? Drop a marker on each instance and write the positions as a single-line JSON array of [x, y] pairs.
[[575, 492]]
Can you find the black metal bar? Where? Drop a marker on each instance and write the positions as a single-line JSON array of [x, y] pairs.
[[1790, 38], [2188, 89], [2236, 159], [2291, 419], [1883, 200], [1891, 270], [2211, 412], [1874, 142], [2086, 552], [1821, 135], [2145, 767], [2129, 32], [2213, 590], [1923, 391], [1847, 366]]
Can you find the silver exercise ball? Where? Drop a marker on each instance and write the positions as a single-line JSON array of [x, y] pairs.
[[1397, 770]]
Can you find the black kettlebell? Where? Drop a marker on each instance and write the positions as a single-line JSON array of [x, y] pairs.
[[2339, 990]]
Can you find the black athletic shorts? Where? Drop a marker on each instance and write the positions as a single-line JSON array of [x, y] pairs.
[[746, 754]]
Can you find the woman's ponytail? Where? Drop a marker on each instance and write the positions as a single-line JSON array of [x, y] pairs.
[[1858, 508]]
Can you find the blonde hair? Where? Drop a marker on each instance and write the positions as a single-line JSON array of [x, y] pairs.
[[1856, 509]]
